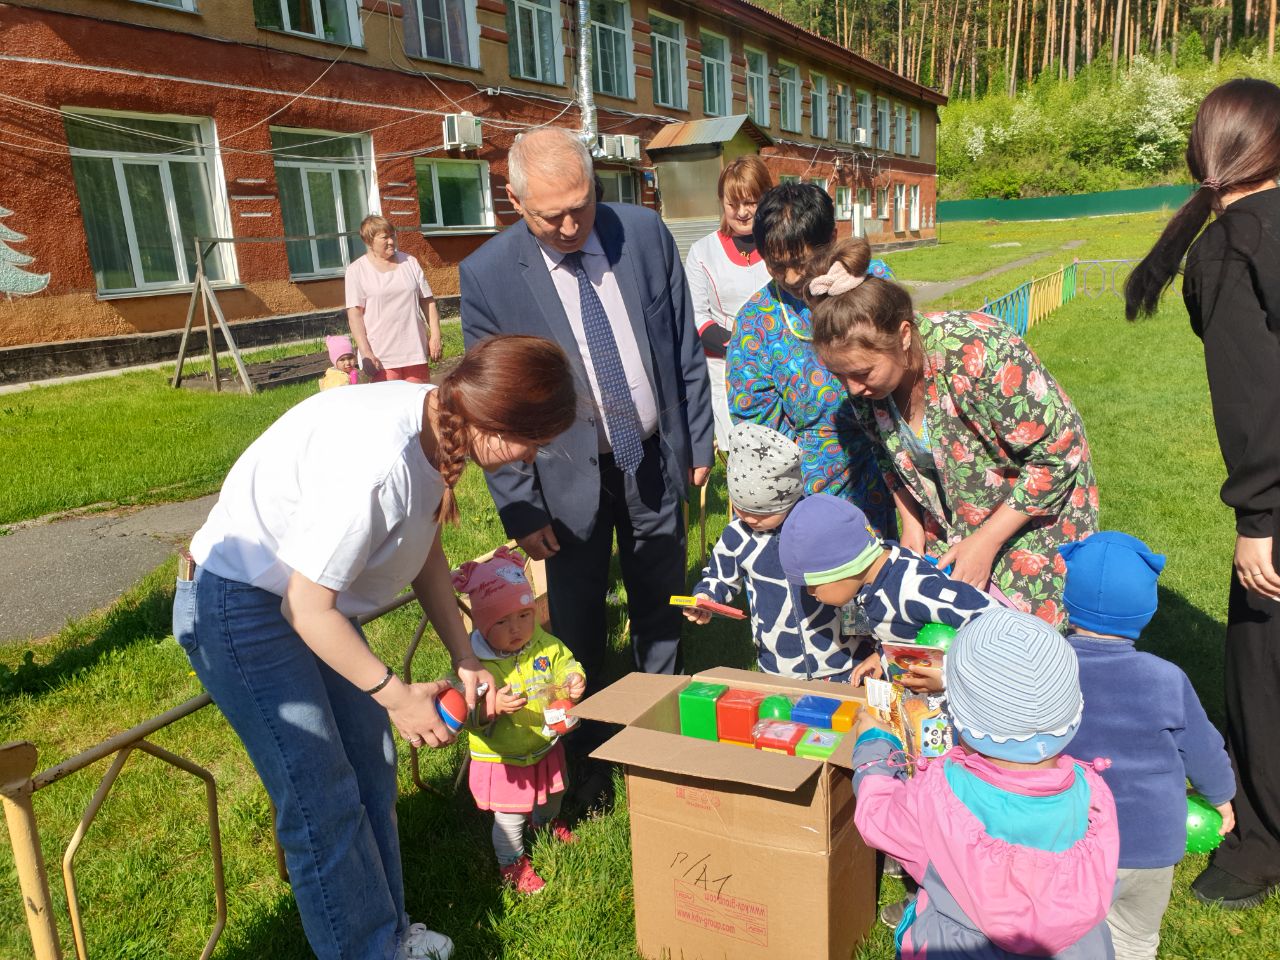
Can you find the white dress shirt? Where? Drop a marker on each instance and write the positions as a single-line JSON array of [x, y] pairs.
[[596, 265]]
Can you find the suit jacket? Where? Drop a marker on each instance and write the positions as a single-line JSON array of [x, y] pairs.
[[506, 288]]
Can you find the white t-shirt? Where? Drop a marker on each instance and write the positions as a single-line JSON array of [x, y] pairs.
[[719, 286], [338, 489], [397, 334]]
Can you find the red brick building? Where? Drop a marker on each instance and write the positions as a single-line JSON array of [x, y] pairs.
[[129, 126]]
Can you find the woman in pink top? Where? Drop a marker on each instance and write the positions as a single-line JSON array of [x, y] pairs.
[[384, 289]]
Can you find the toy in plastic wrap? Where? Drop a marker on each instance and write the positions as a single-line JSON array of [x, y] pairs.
[[814, 711], [451, 709], [928, 734], [1203, 824], [776, 707], [818, 744], [554, 702], [778, 736], [736, 713]]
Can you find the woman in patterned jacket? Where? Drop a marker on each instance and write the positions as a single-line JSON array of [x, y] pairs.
[[986, 456], [774, 376]]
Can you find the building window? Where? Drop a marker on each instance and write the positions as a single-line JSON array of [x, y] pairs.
[[844, 203], [899, 207], [440, 30], [818, 106], [758, 87], [882, 123], [334, 20], [715, 75], [188, 5], [619, 186], [668, 62], [915, 133], [861, 210], [147, 186], [915, 207], [844, 113], [864, 117], [899, 128], [788, 178], [453, 194], [789, 97], [882, 203], [819, 182], [324, 184], [533, 44], [611, 39]]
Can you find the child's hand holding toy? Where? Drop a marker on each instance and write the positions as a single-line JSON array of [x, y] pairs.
[[922, 679], [575, 685], [870, 667], [698, 614]]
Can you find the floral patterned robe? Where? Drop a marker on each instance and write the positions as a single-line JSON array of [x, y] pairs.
[[1003, 431], [776, 379]]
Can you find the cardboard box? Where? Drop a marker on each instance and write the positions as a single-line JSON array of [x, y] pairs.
[[736, 854]]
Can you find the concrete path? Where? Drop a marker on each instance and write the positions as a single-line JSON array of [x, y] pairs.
[[54, 572], [924, 292]]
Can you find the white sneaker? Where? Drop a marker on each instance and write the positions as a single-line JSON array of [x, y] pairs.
[[423, 944]]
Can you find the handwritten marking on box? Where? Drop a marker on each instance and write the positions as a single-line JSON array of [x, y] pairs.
[[729, 916]]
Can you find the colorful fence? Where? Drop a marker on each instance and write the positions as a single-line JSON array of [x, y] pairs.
[[1028, 304], [1065, 208]]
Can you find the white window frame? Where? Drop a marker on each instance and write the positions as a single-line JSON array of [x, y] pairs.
[[882, 203], [863, 113], [622, 177], [819, 105], [882, 123], [628, 66], [844, 203], [220, 206], [915, 133], [182, 6], [844, 114], [915, 206], [788, 99], [473, 36], [899, 128], [331, 166], [486, 187], [353, 21], [725, 65], [820, 182], [758, 88], [675, 48], [557, 37], [899, 208]]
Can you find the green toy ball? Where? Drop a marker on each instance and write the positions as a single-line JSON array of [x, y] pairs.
[[776, 707], [1203, 824], [936, 635]]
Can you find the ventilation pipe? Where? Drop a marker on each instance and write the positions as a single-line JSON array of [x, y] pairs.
[[586, 95]]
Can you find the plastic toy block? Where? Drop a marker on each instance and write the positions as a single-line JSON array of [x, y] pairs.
[[818, 744], [737, 743], [736, 713], [842, 719], [815, 711], [779, 736], [776, 707], [698, 710]]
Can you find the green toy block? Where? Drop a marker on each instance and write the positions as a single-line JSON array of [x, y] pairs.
[[818, 744], [776, 707], [698, 710]]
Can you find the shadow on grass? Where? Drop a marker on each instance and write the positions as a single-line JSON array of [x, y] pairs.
[[1184, 634]]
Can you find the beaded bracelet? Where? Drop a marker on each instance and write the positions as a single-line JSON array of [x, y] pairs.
[[381, 683]]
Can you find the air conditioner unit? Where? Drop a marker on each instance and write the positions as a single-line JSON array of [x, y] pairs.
[[860, 136], [629, 147], [609, 146], [462, 130]]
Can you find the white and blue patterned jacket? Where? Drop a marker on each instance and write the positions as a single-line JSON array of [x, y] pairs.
[[909, 592]]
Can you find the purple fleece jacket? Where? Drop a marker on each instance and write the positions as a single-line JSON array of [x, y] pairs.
[[1142, 712]]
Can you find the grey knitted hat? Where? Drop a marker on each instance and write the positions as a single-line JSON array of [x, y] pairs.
[[1013, 686], [763, 469]]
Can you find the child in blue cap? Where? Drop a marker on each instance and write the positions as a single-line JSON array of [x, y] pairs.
[[1142, 713]]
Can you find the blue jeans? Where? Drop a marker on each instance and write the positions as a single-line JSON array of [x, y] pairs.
[[325, 753]]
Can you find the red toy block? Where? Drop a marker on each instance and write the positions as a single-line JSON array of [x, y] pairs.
[[736, 713], [779, 736]]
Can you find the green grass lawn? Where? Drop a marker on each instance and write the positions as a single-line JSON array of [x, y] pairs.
[[143, 871]]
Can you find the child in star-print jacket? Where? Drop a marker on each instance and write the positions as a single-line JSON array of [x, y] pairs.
[[765, 482]]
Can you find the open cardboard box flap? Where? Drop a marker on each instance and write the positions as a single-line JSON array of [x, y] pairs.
[[672, 753], [628, 699]]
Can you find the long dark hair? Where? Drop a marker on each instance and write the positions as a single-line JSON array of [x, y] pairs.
[[514, 385], [1234, 143]]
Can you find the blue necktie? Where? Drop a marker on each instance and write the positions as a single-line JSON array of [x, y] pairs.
[[622, 423]]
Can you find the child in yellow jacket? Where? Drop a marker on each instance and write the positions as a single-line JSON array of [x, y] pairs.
[[517, 762]]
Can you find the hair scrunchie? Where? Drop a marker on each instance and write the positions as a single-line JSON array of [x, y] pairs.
[[835, 281]]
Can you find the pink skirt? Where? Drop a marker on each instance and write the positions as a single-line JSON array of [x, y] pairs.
[[510, 789]]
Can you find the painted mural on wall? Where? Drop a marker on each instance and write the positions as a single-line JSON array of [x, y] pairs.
[[14, 281]]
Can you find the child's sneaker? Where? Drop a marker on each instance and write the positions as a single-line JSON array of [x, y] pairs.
[[559, 830], [522, 876], [423, 944]]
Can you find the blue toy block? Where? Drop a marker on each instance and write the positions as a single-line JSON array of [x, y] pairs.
[[814, 711]]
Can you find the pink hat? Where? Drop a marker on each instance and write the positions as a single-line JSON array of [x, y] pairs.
[[339, 346], [496, 588]]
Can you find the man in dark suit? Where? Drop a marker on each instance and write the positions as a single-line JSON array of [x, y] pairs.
[[604, 281]]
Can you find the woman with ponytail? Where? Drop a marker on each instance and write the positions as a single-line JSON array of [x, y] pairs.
[[985, 455], [328, 516], [1232, 292]]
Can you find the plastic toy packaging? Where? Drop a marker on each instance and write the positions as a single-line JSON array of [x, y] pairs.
[[854, 621], [553, 700], [927, 729]]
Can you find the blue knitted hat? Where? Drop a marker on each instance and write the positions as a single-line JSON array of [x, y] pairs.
[[1111, 583], [1013, 686], [825, 539]]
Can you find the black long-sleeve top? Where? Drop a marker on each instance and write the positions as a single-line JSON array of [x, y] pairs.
[[1232, 291]]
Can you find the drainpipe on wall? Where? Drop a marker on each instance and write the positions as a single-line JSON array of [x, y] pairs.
[[586, 96]]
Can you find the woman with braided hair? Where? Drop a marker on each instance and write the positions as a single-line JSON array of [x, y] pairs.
[[302, 542]]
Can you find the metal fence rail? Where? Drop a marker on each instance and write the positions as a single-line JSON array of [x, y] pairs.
[[1028, 304]]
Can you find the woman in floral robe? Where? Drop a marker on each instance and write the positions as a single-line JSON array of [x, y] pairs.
[[989, 464]]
